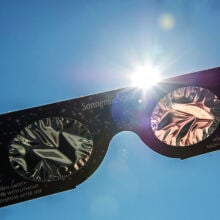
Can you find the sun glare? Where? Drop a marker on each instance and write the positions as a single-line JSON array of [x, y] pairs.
[[145, 76]]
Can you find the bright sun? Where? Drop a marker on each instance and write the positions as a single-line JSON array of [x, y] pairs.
[[145, 76]]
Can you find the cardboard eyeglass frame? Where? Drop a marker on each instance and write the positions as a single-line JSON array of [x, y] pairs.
[[104, 115]]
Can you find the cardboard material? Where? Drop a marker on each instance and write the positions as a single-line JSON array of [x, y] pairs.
[[55, 147]]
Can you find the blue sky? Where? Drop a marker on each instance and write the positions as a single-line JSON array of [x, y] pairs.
[[55, 50]]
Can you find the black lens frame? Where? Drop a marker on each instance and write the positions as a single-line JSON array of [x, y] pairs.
[[209, 80], [105, 115]]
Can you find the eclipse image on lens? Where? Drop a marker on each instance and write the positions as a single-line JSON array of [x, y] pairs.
[[50, 149], [186, 116]]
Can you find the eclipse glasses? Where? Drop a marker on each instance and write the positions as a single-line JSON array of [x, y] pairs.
[[55, 147]]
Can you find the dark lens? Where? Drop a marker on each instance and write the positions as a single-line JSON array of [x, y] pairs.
[[50, 149], [186, 116]]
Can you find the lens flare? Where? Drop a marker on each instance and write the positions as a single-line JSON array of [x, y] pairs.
[[167, 22]]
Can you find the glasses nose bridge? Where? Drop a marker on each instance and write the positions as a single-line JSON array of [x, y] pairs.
[[128, 114]]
